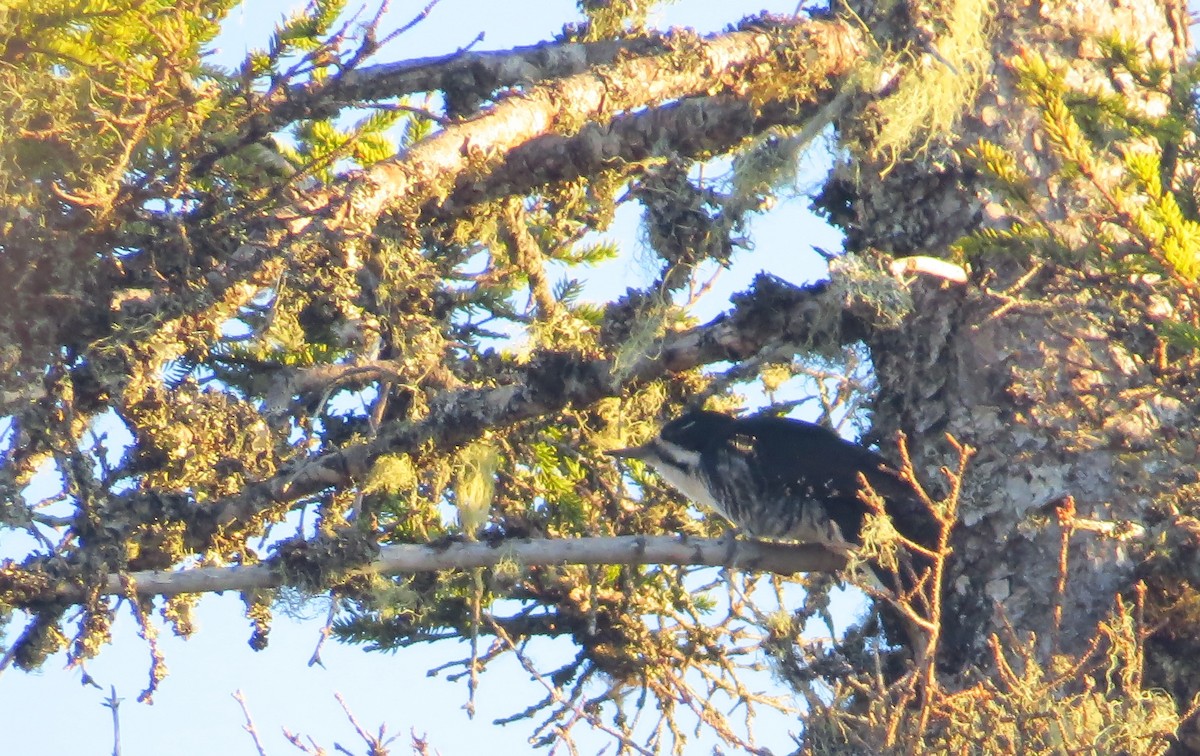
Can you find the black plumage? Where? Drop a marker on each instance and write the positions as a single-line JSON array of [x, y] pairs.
[[782, 479]]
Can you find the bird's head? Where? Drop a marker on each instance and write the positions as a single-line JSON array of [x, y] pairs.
[[679, 443]]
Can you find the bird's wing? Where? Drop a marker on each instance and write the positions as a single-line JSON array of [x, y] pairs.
[[792, 453]]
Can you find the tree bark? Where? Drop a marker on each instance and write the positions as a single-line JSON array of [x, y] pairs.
[[1046, 369]]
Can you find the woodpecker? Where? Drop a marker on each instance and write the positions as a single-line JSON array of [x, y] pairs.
[[781, 479]]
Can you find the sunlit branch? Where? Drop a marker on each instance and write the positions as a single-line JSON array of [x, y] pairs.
[[752, 555]]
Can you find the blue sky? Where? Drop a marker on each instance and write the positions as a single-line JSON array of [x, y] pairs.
[[52, 712]]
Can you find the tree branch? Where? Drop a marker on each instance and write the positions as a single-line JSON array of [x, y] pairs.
[[764, 60], [781, 558], [691, 127], [737, 63], [465, 73], [770, 312]]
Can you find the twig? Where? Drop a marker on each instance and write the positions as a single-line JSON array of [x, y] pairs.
[[113, 703], [1066, 522], [476, 609], [376, 743], [326, 631], [416, 20], [148, 633], [294, 739], [558, 697], [929, 589], [249, 726], [1009, 295]]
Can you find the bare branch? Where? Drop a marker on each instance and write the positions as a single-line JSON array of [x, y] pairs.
[[114, 703], [687, 127], [240, 697], [782, 558], [376, 744], [556, 694]]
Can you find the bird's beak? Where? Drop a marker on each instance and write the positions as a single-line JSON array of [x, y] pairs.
[[633, 452]]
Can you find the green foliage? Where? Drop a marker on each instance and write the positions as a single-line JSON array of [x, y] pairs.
[[1046, 89], [1018, 240], [589, 254], [1161, 222], [130, 64], [1184, 335], [305, 31], [1002, 166], [614, 18], [321, 144], [1122, 161]]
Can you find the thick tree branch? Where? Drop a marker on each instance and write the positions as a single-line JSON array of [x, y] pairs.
[[693, 127], [464, 77], [739, 63], [465, 74], [771, 313], [779, 558]]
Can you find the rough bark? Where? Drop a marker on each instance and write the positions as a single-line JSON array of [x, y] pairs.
[[1048, 371]]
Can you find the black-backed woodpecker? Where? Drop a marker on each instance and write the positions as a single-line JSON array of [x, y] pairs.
[[781, 479]]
